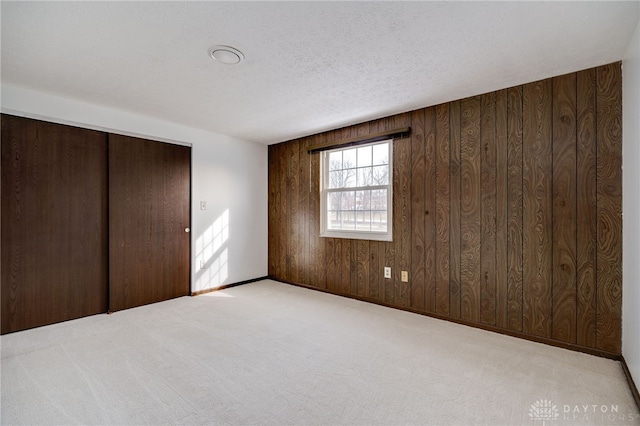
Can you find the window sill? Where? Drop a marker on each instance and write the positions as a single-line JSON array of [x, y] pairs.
[[368, 236]]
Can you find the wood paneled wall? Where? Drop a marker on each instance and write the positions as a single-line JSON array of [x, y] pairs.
[[506, 213]]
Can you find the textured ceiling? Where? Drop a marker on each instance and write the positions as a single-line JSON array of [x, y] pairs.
[[310, 66]]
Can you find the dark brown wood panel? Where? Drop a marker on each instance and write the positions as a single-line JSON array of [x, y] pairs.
[[455, 196], [304, 192], [442, 210], [586, 208], [402, 206], [502, 208], [320, 265], [564, 208], [514, 210], [429, 210], [54, 223], [537, 205], [283, 230], [506, 213], [149, 209], [488, 210], [275, 160], [470, 209], [609, 200], [417, 210], [292, 219]]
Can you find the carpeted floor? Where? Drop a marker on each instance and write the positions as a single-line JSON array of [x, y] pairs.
[[269, 353]]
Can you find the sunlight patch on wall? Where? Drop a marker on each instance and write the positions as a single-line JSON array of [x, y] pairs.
[[212, 254]]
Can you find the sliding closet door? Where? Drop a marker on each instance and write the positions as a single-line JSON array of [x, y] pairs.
[[149, 210], [54, 223]]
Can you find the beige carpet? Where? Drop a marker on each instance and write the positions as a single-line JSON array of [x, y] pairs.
[[269, 353]]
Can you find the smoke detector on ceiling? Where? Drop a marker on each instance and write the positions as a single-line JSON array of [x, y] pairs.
[[226, 54]]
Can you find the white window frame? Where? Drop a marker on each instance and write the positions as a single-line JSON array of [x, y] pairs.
[[324, 191]]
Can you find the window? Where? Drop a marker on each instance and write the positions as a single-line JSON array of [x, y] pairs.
[[355, 199]]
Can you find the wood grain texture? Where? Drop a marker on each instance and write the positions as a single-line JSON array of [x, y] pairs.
[[488, 210], [402, 237], [586, 243], [313, 216], [502, 208], [609, 201], [283, 246], [442, 210], [454, 216], [470, 209], [429, 210], [537, 206], [273, 222], [304, 193], [293, 219], [514, 209], [390, 256], [149, 209], [319, 266], [506, 213], [564, 208], [417, 210], [54, 223], [404, 121]]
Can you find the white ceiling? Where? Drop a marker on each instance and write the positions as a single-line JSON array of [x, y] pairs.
[[310, 66]]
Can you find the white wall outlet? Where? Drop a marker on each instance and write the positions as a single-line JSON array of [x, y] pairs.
[[203, 205], [404, 276], [387, 272], [201, 264]]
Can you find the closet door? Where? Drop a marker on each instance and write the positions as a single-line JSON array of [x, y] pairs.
[[149, 210], [54, 223]]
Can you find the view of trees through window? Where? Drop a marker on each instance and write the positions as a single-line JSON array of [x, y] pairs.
[[357, 198]]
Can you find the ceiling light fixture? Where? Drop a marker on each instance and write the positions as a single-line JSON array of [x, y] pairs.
[[226, 55]]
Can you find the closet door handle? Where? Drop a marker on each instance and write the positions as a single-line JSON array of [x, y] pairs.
[[187, 230]]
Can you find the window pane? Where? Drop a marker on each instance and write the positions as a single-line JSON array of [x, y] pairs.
[[381, 175], [364, 156], [348, 201], [364, 176], [349, 158], [333, 201], [379, 221], [363, 200], [364, 221], [335, 160], [363, 210], [381, 154], [379, 199], [335, 179], [333, 221], [348, 178], [348, 220]]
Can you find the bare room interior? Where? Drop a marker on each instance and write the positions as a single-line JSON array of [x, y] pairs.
[[320, 213]]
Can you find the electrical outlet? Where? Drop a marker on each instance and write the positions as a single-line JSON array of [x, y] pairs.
[[203, 205], [387, 272], [201, 264], [404, 276]]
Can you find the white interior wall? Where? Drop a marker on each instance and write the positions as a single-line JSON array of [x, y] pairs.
[[230, 175], [631, 206]]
